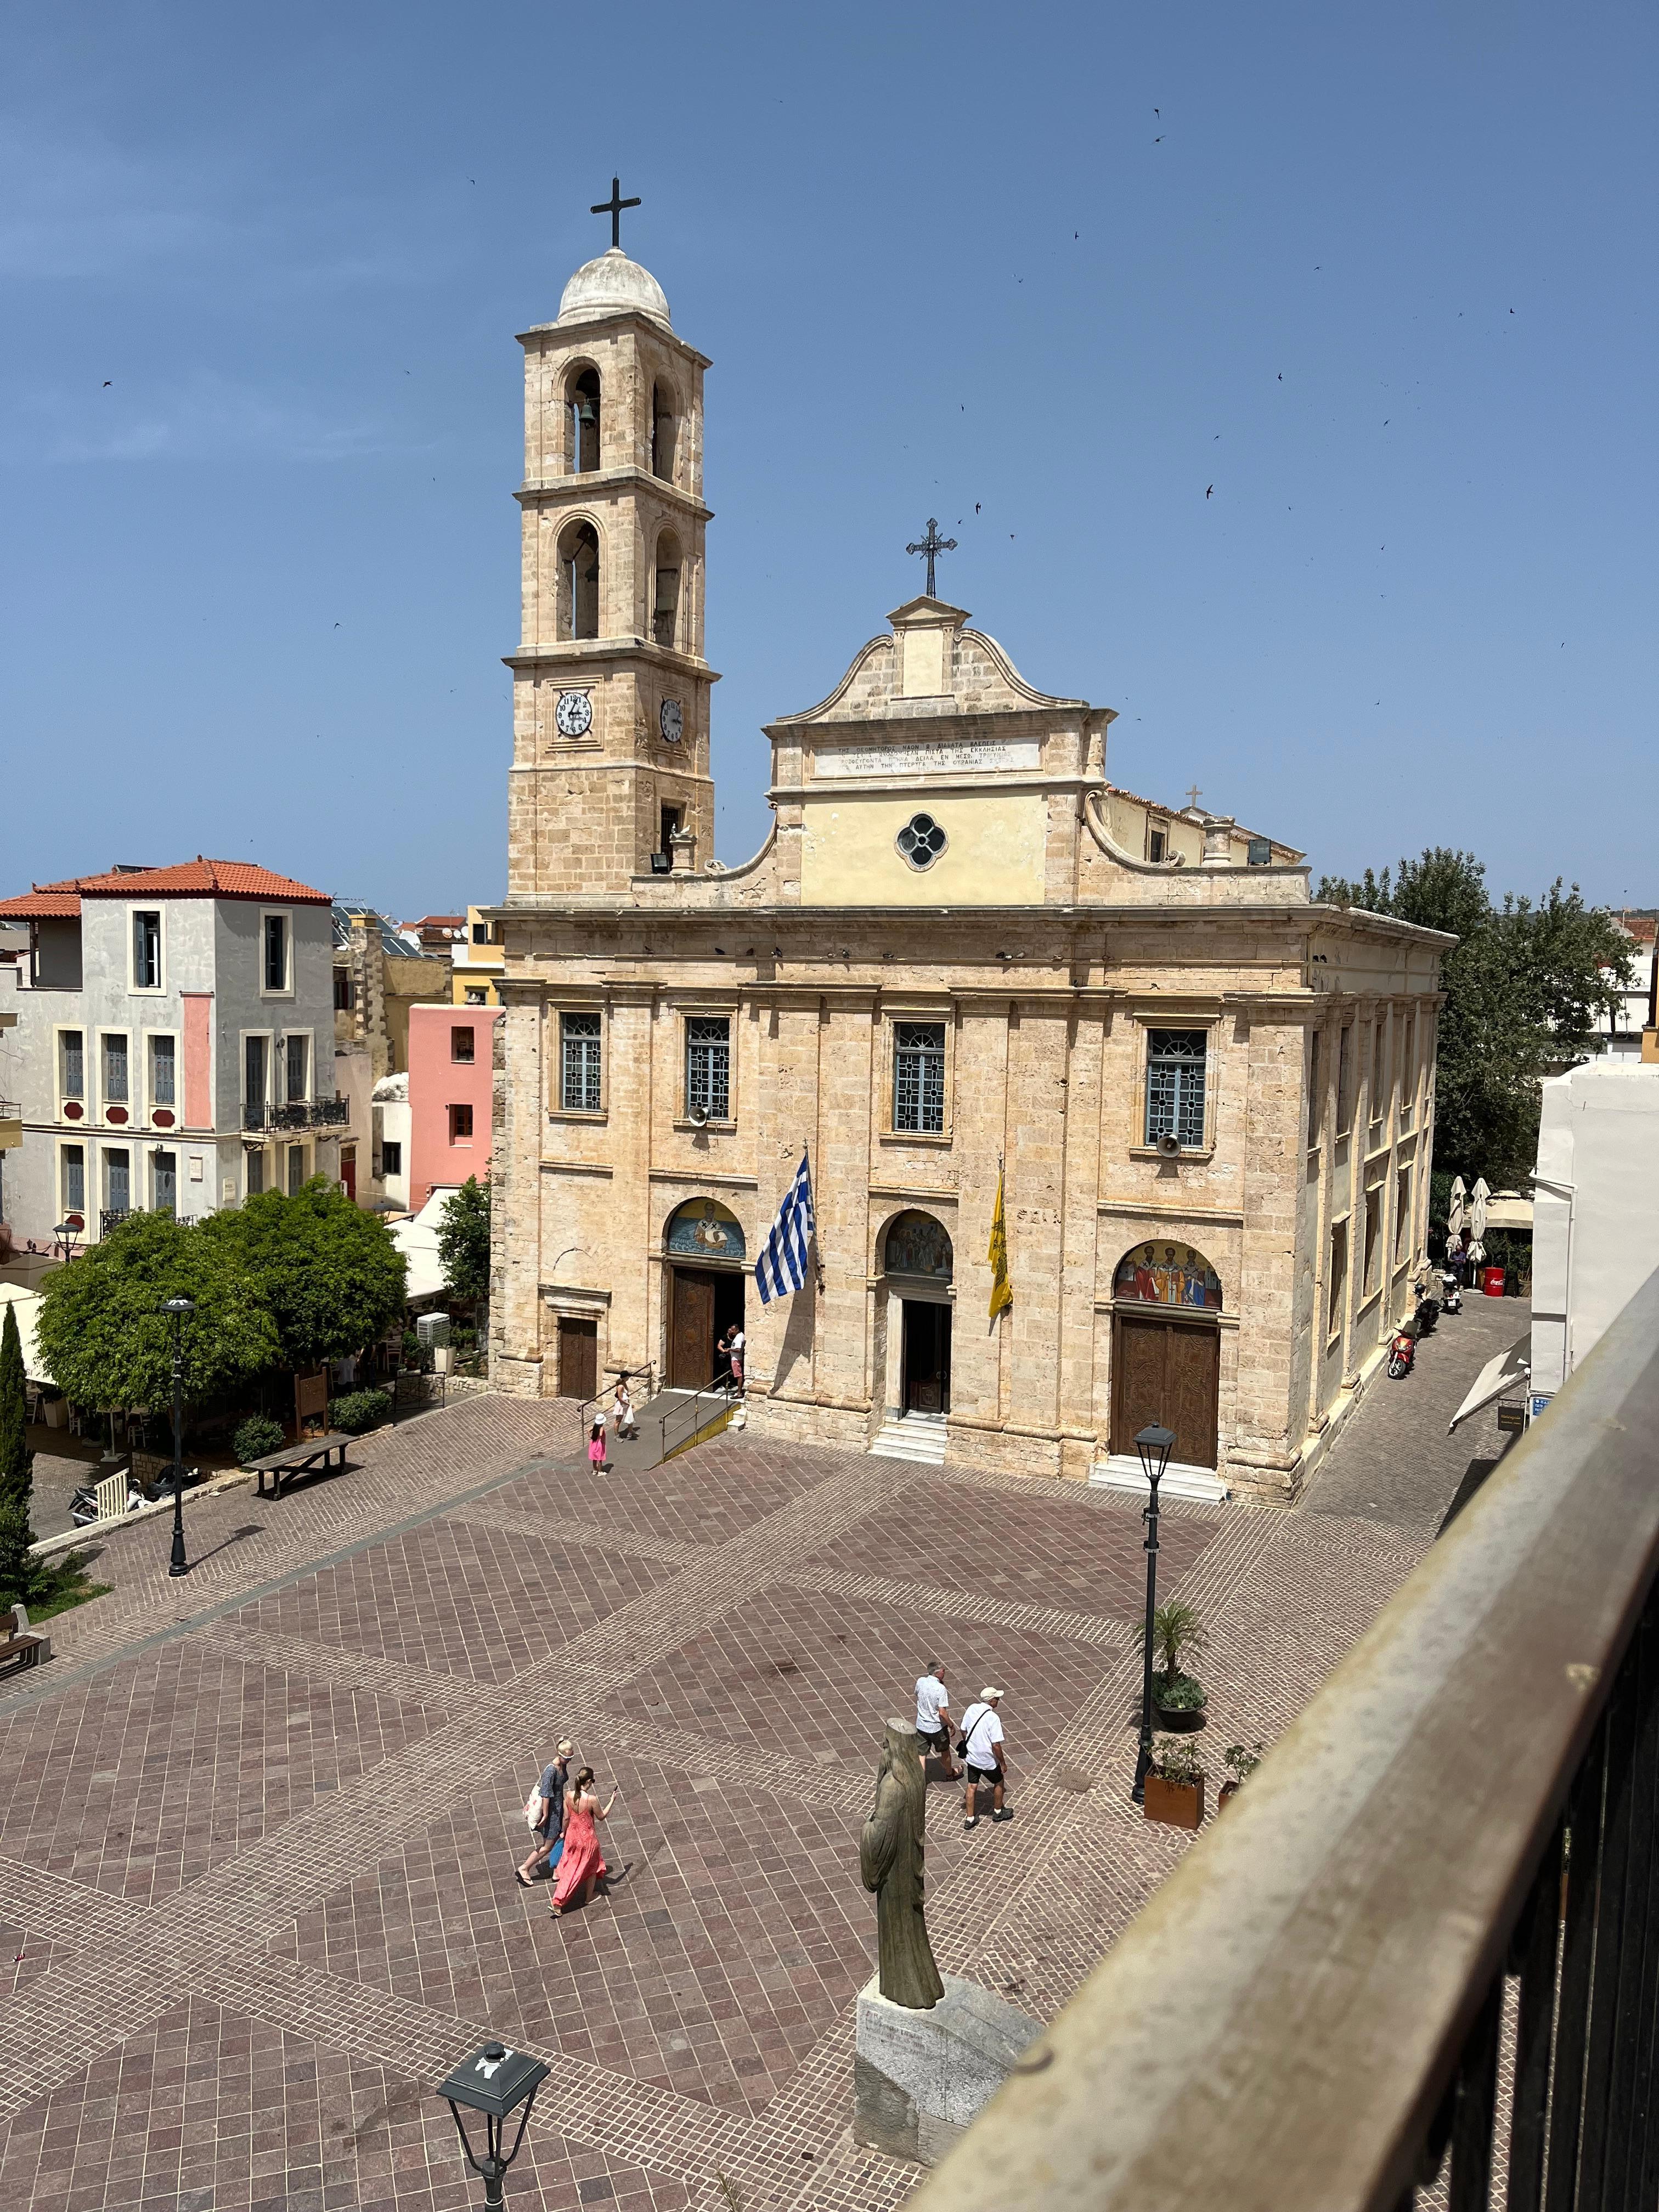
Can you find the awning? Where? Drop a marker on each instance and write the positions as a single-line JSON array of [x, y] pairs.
[[1501, 1373]]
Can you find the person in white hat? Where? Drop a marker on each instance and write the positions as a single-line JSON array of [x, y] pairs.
[[981, 1748]]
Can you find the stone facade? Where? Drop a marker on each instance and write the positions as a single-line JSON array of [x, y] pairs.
[[962, 952]]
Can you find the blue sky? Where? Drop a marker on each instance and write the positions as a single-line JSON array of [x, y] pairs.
[[1383, 278]]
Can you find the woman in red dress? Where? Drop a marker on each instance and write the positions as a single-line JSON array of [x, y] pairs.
[[583, 1863]]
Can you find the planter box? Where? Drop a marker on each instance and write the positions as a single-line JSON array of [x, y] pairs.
[[1228, 1790], [1176, 1804], [1178, 1720]]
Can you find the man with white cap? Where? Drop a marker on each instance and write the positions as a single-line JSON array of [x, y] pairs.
[[981, 1748]]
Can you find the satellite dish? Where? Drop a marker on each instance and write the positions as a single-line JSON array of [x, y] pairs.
[[1168, 1144]]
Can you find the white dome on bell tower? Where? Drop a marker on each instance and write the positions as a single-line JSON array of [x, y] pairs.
[[610, 285]]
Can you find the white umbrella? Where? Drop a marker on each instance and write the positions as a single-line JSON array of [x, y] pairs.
[[1455, 1216], [1478, 1211]]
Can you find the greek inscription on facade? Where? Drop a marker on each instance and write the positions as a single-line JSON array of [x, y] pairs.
[[936, 756]]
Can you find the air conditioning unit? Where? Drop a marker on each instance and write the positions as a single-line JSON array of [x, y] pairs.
[[1170, 1145], [432, 1328]]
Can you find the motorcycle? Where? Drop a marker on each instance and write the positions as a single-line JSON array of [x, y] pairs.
[[1402, 1351], [83, 1503], [1427, 1313], [1451, 1294]]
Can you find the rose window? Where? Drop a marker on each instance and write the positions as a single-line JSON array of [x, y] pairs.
[[921, 840]]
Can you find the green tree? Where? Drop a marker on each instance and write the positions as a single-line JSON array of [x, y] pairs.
[[331, 1276], [106, 1341], [1526, 984], [464, 1241], [17, 1469]]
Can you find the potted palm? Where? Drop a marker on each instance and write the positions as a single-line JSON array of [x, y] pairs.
[[1178, 1697], [1175, 1784], [1241, 1761]]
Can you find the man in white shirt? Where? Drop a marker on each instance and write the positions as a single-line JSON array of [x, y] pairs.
[[933, 1717], [981, 1730]]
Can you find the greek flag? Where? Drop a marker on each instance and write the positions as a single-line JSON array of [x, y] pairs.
[[781, 1266]]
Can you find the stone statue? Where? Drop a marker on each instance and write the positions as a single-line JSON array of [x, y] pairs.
[[889, 1859]]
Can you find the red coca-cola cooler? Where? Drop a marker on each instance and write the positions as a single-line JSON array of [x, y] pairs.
[[1491, 1282]]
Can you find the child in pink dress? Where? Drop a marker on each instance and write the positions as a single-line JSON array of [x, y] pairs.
[[596, 1448]]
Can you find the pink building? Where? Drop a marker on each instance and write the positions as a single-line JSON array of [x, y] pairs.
[[451, 1090]]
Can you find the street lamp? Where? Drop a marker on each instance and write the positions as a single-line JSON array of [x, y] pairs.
[[178, 1310], [1154, 1445], [66, 1233], [493, 2081]]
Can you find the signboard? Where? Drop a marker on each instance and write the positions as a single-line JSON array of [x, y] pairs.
[[937, 757]]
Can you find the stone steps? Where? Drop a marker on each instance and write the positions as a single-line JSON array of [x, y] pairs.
[[919, 1437]]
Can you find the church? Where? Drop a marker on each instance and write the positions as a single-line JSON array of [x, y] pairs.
[[963, 961]]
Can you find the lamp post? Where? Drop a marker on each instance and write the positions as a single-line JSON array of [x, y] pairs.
[[178, 1310], [66, 1236], [1154, 1445], [493, 2081]]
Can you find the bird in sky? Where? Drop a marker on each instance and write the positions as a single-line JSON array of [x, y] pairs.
[[1207, 493]]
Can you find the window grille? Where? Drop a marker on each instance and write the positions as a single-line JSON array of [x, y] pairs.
[[918, 1077], [709, 1067], [921, 840], [579, 1082], [1175, 1086]]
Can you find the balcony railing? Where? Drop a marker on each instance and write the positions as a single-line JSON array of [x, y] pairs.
[[111, 1217], [1429, 1924], [297, 1114]]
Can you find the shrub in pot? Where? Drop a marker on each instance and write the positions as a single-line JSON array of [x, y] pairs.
[[256, 1437], [1175, 1784], [1178, 1634], [360, 1410], [1241, 1761]]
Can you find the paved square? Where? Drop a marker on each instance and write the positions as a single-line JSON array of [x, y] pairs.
[[258, 1829]]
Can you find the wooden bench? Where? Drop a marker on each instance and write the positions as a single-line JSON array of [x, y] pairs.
[[22, 1646], [297, 1459]]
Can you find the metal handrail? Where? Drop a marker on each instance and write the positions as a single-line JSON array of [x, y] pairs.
[[626, 1374], [724, 1387], [1308, 2009]]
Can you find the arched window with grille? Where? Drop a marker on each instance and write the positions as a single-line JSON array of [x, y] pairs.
[[581, 437], [665, 591], [579, 582], [1175, 1062]]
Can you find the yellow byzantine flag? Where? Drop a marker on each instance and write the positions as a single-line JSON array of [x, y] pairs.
[[1001, 1291]]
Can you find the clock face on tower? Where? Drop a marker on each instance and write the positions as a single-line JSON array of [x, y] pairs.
[[671, 720], [574, 715]]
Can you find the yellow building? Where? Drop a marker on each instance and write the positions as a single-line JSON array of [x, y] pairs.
[[479, 958]]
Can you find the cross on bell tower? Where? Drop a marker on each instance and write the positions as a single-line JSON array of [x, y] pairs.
[[613, 207], [932, 546]]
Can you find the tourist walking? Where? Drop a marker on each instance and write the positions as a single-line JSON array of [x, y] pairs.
[[583, 1863], [621, 1410], [933, 1717], [547, 1825], [981, 1749]]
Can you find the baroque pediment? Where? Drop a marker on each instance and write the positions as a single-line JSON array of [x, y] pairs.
[[930, 666]]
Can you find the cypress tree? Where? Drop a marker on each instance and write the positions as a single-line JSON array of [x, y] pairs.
[[17, 1575]]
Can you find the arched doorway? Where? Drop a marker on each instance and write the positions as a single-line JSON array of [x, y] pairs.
[[917, 1260], [1166, 1349], [706, 1272]]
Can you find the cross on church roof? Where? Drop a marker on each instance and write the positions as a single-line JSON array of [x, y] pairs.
[[613, 207], [932, 545], [1194, 794]]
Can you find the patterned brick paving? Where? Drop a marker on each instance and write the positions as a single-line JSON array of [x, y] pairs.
[[257, 1829]]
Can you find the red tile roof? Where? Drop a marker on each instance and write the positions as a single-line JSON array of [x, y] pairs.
[[196, 878]]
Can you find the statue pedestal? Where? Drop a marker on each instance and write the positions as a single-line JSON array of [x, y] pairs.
[[920, 2077]]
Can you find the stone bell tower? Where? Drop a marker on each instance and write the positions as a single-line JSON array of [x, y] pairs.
[[609, 775]]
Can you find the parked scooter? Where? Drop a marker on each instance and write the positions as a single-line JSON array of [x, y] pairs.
[[1428, 1307], [83, 1503], [1451, 1292], [1402, 1351]]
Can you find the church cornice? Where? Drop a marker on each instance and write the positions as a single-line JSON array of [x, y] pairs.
[[575, 653], [551, 492], [572, 335]]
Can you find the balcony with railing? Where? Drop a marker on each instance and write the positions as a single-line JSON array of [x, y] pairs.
[[296, 1113], [11, 1125], [1420, 1952]]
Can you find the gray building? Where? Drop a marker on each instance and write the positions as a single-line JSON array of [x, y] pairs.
[[174, 1048]]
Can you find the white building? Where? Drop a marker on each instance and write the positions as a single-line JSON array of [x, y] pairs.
[[1621, 1040], [174, 1045], [1596, 1209]]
